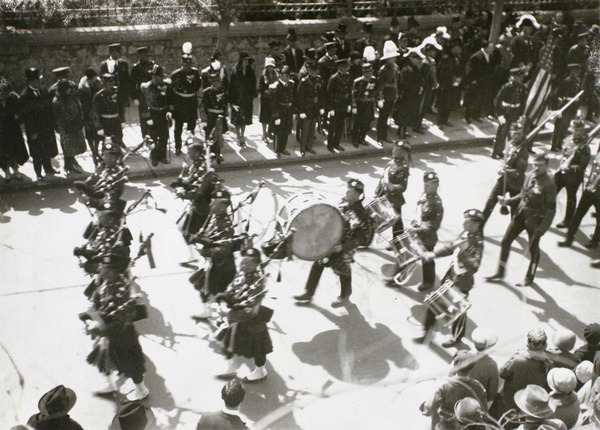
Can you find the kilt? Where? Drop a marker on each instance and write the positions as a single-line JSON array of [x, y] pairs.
[[247, 338]]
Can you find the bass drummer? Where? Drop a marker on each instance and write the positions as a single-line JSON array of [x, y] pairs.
[[358, 230], [466, 253]]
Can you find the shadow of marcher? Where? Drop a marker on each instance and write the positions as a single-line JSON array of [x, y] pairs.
[[155, 324], [357, 352]]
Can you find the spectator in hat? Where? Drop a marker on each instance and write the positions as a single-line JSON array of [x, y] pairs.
[[387, 88], [276, 54], [366, 39], [141, 72], [509, 105], [310, 55], [233, 394], [268, 77], [485, 369], [339, 104], [358, 231], [563, 399], [54, 409], [13, 152], [89, 85], [328, 63], [343, 48], [561, 355], [458, 385], [329, 36], [133, 416], [355, 69], [526, 366], [449, 79], [106, 111], [242, 92], [294, 56], [412, 37], [428, 69], [215, 67], [38, 119], [533, 402], [364, 99], [591, 334], [578, 53], [119, 68], [479, 71], [310, 106], [69, 123], [281, 97], [408, 105], [186, 81], [156, 96]]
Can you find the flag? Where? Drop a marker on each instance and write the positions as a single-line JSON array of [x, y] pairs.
[[541, 86]]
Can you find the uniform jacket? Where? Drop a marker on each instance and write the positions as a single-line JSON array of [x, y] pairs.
[[121, 73], [281, 97], [448, 70], [387, 81], [294, 61], [105, 107], [593, 183], [524, 51], [566, 90], [516, 164], [339, 92], [358, 226], [393, 183], [309, 96], [343, 48], [430, 213], [466, 252], [537, 202], [510, 100], [156, 98], [362, 43], [218, 228], [215, 101], [185, 83], [573, 163], [87, 90], [364, 91], [327, 67], [140, 72]]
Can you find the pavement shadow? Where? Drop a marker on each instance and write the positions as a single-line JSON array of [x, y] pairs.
[[156, 325], [34, 203], [357, 352]]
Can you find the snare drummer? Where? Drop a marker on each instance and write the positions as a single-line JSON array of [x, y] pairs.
[[358, 229], [394, 181], [467, 250]]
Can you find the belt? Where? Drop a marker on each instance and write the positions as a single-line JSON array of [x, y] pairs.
[[110, 116], [216, 110], [184, 94], [158, 108], [285, 104], [504, 104]]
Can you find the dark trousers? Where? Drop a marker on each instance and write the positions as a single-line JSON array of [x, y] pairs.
[[336, 128], [428, 268], [92, 140], [307, 133], [315, 275], [398, 227], [145, 128], [384, 113], [365, 113], [561, 182], [217, 136], [516, 226], [112, 128], [283, 130], [178, 129], [585, 202], [459, 325], [159, 132], [500, 141], [45, 162], [492, 200]]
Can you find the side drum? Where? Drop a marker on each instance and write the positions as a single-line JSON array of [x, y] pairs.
[[382, 212], [447, 302]]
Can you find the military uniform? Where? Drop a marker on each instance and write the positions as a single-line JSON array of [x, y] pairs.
[[214, 101], [589, 197], [566, 90], [119, 68], [448, 74], [156, 100], [185, 84], [327, 68], [509, 103], [309, 102], [570, 173], [387, 88], [364, 97], [409, 102], [339, 100], [108, 115], [197, 188], [140, 72], [87, 89], [281, 98]]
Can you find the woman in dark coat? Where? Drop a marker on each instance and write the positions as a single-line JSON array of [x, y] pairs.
[[69, 123], [12, 146], [242, 91], [267, 77], [36, 108]]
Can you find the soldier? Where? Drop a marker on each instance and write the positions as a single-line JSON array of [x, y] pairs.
[[89, 85], [215, 67], [117, 66], [339, 101], [537, 206], [328, 62], [509, 104], [466, 252], [364, 97], [61, 73], [246, 334], [589, 197], [214, 100], [393, 183], [358, 231], [566, 90], [185, 82], [310, 106], [106, 111], [429, 218], [411, 90], [217, 249], [155, 99], [366, 40], [387, 88], [141, 72], [571, 169], [512, 174], [36, 109], [281, 97]]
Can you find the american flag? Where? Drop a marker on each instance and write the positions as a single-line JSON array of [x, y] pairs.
[[541, 86]]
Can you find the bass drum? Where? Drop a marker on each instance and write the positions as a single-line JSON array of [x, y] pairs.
[[317, 226]]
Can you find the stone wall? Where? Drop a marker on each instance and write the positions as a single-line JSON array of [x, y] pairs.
[[84, 47]]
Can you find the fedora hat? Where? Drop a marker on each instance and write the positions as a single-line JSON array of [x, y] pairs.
[[133, 416], [390, 50], [57, 402], [534, 401], [562, 380]]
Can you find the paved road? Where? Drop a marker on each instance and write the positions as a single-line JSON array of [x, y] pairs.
[[331, 368]]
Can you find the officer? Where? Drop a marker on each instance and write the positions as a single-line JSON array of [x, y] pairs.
[[117, 66], [387, 88], [309, 106], [61, 73], [141, 72], [466, 252], [339, 101], [509, 105], [217, 249], [185, 82], [358, 231], [571, 170], [327, 63], [429, 218], [281, 97], [155, 97], [364, 97], [411, 84], [589, 197], [537, 206], [566, 90], [394, 182], [214, 101], [108, 118], [512, 174]]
